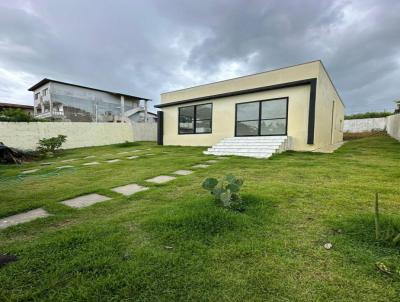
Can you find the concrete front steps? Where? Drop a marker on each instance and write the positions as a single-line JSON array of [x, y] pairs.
[[250, 146]]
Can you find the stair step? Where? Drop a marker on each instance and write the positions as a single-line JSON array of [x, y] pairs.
[[254, 154], [247, 143], [253, 146]]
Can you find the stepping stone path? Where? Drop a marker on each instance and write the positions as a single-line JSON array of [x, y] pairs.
[[29, 171], [161, 179], [132, 157], [85, 200], [200, 166], [91, 163], [68, 160], [183, 172], [129, 189], [211, 161], [23, 217], [64, 167], [113, 160]]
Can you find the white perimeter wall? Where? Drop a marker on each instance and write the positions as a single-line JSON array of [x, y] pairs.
[[390, 124], [26, 135], [365, 125]]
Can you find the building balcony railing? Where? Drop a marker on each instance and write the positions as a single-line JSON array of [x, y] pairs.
[[49, 114]]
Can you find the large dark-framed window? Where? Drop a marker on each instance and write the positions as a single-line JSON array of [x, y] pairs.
[[195, 119], [262, 118]]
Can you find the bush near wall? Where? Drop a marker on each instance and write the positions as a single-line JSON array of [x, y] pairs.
[[367, 115]]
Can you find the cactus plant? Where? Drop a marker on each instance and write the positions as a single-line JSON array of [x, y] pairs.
[[225, 191]]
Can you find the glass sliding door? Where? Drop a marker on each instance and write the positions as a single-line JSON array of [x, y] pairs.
[[273, 117], [247, 119], [261, 118]]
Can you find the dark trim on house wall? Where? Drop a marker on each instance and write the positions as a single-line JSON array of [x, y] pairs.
[[311, 112], [239, 92], [160, 128]]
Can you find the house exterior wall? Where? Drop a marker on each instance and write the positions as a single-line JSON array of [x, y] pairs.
[[329, 115], [223, 112], [295, 73], [223, 118]]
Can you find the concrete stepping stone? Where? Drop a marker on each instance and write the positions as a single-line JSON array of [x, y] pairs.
[[68, 160], [23, 217], [132, 157], [91, 163], [90, 156], [64, 167], [183, 172], [129, 189], [211, 161], [113, 160], [161, 179], [200, 166], [47, 164], [29, 171], [85, 200]]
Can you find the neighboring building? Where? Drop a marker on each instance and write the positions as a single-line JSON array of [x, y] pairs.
[[26, 108], [139, 116], [295, 108], [76, 103]]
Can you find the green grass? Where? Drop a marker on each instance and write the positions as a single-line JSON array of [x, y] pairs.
[[172, 243]]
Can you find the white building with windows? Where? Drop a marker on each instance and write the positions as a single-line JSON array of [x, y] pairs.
[[75, 103]]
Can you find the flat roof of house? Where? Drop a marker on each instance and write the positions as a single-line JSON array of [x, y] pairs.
[[11, 105], [249, 75], [46, 80]]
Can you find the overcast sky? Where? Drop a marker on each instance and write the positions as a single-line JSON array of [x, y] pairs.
[[148, 47]]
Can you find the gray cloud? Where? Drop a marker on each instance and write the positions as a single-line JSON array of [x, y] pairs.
[[145, 48]]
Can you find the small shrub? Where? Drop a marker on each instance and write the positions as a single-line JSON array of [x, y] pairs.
[[226, 191], [50, 145]]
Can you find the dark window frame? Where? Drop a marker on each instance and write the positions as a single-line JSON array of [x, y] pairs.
[[195, 119], [260, 117]]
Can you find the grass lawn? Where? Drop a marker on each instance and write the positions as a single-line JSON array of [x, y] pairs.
[[172, 243]]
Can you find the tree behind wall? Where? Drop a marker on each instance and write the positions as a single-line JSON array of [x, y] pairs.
[[15, 115]]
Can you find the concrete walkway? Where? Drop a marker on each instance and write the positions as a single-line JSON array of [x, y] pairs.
[[85, 200], [161, 179], [129, 189], [23, 217]]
